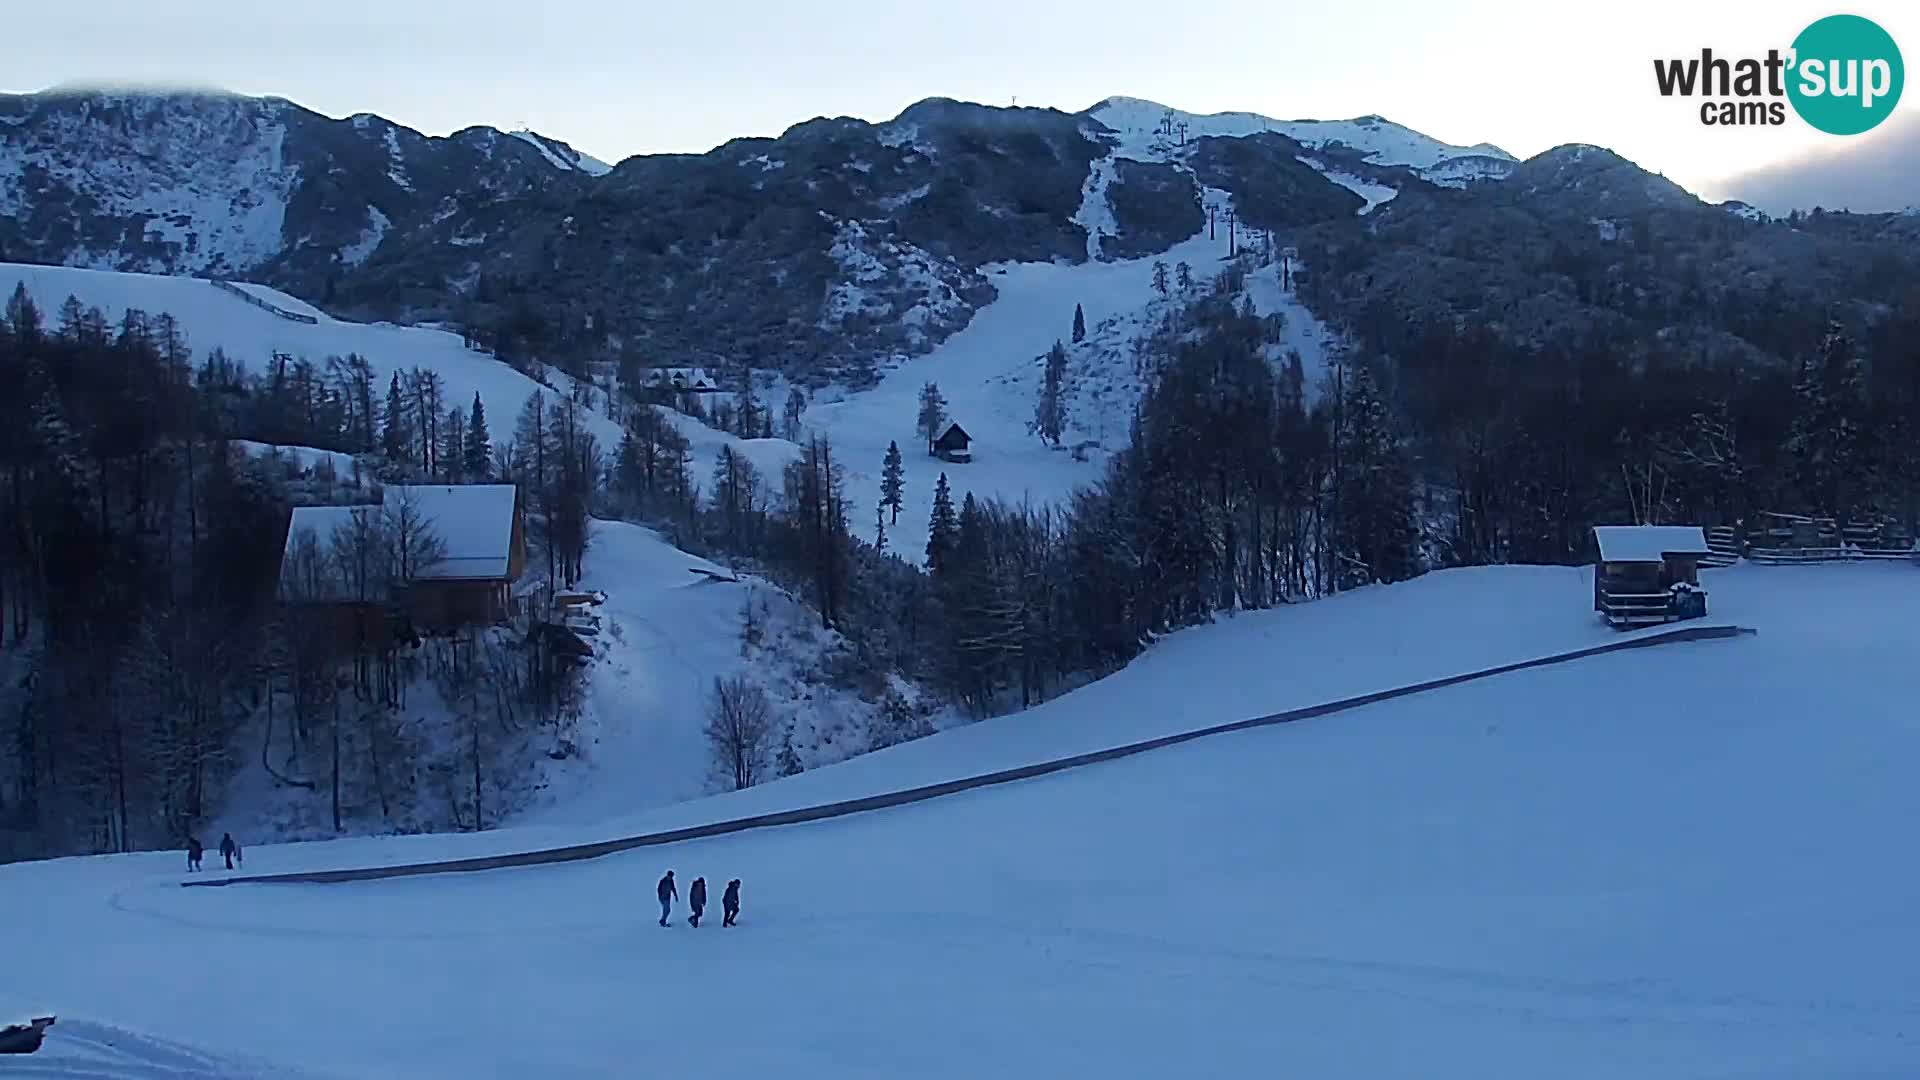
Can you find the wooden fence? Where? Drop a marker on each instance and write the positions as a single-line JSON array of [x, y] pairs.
[[262, 303], [1791, 556]]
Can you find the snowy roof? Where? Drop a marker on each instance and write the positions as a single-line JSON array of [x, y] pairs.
[[322, 522], [473, 521], [692, 378], [1649, 543]]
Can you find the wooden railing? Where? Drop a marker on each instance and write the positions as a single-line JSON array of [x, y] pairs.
[[1788, 556], [1636, 609]]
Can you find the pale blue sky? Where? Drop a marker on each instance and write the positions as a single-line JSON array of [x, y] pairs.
[[617, 77]]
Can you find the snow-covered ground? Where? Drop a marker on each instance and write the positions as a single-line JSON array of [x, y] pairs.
[[211, 317], [990, 374], [667, 629], [1664, 863]]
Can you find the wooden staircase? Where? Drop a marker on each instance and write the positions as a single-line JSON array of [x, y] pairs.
[[1724, 542]]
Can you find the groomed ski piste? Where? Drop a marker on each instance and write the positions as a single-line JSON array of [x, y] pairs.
[[1679, 861]]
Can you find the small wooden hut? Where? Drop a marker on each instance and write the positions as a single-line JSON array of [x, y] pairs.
[[1649, 574], [952, 445]]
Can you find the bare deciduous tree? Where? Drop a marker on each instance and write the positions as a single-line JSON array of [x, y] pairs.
[[739, 726]]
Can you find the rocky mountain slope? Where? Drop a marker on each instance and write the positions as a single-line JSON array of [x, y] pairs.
[[825, 251], [841, 246]]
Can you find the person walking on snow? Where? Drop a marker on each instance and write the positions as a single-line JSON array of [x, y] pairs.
[[668, 893], [697, 900], [193, 853], [730, 902], [228, 849]]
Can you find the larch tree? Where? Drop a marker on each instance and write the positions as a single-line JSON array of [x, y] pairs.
[[933, 413]]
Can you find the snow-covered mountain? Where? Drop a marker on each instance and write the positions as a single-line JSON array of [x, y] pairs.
[[1145, 129], [562, 156], [216, 183]]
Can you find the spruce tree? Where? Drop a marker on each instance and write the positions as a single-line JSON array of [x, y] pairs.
[[893, 482], [1160, 277], [453, 447], [479, 448], [1375, 536], [397, 437], [1050, 414], [787, 761], [1079, 325], [942, 528], [1825, 441]]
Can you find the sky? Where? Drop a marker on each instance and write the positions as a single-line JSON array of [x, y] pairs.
[[616, 78]]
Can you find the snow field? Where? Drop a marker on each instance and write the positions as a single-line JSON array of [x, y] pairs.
[[210, 317], [1661, 863]]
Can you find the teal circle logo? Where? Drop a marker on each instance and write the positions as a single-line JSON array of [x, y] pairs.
[[1847, 75]]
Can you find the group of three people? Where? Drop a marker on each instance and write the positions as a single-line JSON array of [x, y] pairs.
[[668, 892]]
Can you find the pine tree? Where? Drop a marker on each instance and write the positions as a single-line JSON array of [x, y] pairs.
[[943, 527], [1079, 325], [1375, 538], [787, 761], [453, 447], [893, 481], [396, 439], [23, 316], [1827, 442], [479, 448], [1160, 277], [1050, 414], [933, 413], [1183, 276], [880, 529]]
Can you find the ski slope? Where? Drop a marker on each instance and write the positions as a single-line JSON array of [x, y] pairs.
[[991, 373], [1671, 863], [210, 317], [668, 627]]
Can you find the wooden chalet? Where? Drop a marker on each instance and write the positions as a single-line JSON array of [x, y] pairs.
[[480, 527], [1649, 574], [952, 445], [484, 533], [683, 380]]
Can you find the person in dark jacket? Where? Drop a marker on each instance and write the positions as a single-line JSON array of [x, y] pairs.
[[194, 851], [228, 849], [668, 892], [730, 902], [697, 900]]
